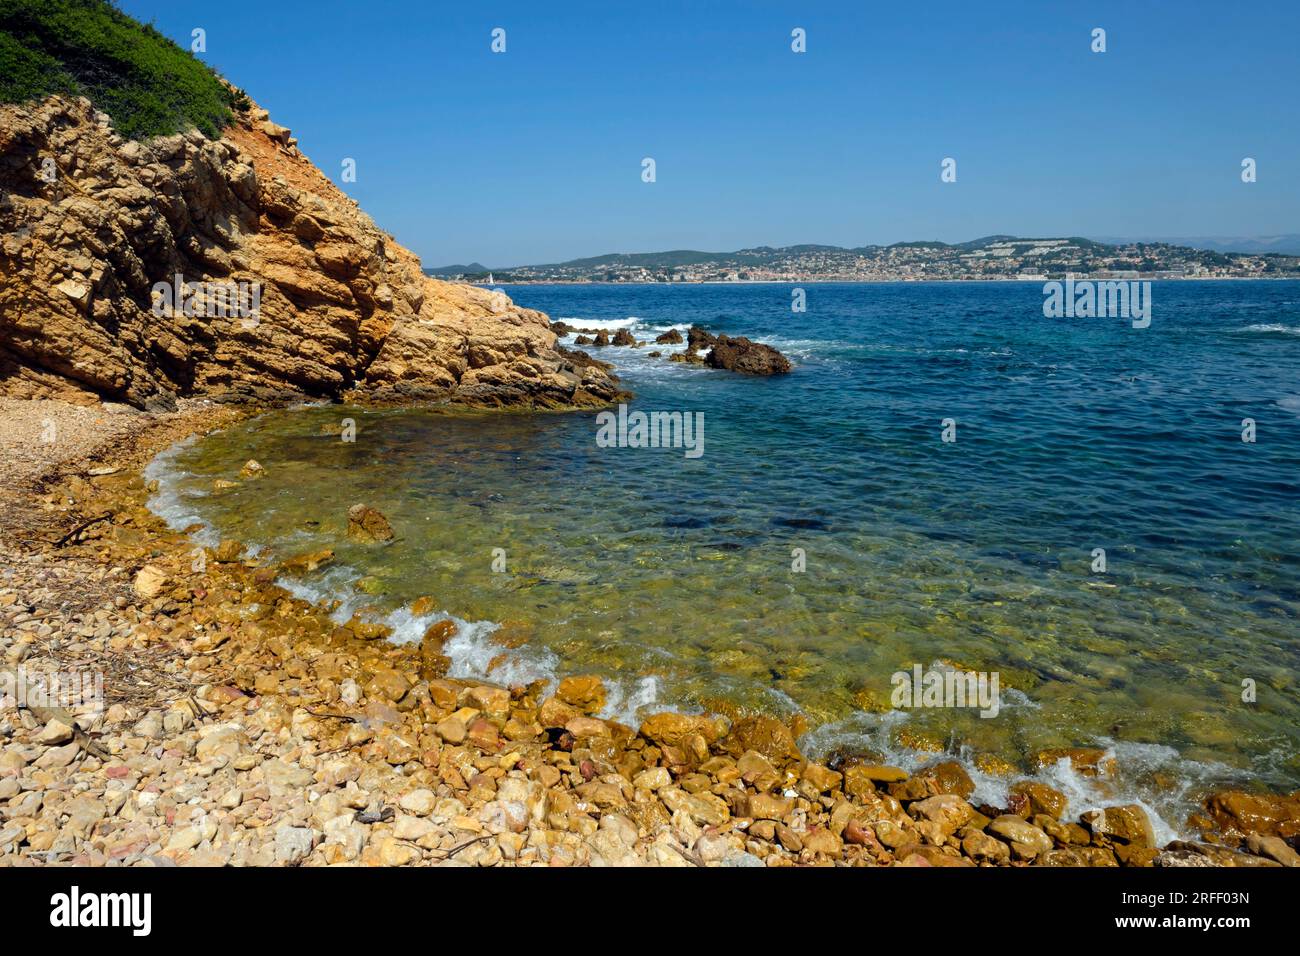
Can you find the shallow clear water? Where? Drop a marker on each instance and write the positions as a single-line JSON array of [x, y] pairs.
[[673, 575]]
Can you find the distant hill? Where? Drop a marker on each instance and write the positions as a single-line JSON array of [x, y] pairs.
[[474, 268], [756, 256], [989, 257], [1287, 244]]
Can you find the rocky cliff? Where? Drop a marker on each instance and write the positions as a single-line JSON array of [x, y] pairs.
[[95, 231]]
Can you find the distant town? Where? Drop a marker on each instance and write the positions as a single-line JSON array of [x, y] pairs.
[[993, 258]]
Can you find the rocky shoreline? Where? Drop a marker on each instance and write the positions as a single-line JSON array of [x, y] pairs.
[[731, 353], [242, 727]]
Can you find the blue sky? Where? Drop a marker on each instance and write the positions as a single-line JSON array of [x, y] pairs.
[[534, 155]]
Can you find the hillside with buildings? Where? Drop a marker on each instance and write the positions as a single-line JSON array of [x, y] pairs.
[[993, 257]]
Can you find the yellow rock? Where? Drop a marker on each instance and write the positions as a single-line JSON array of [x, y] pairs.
[[587, 693], [149, 581]]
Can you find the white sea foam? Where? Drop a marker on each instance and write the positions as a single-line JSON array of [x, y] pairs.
[[1274, 327], [473, 653], [334, 583], [170, 502], [609, 325], [1139, 764], [630, 707]]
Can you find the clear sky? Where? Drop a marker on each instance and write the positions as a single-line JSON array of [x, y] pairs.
[[534, 155]]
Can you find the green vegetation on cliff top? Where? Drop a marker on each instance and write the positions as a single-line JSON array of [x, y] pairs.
[[144, 81]]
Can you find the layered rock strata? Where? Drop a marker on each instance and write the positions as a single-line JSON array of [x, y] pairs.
[[140, 272]]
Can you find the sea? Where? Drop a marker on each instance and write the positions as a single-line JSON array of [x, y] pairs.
[[1105, 517]]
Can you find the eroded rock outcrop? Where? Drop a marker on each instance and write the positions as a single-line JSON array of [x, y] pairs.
[[92, 223]]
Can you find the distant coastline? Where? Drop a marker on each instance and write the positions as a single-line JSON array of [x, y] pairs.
[[1081, 276], [992, 258]]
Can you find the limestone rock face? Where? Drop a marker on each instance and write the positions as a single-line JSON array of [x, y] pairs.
[[91, 223]]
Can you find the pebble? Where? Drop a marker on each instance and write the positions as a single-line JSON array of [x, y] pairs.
[[57, 731], [419, 802], [293, 844]]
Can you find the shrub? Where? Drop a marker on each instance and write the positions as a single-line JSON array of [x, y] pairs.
[[149, 85]]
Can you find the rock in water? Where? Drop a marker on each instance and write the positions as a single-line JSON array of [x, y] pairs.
[[309, 561], [1238, 814], [741, 355], [586, 692], [228, 551], [286, 289], [697, 338], [1128, 824], [690, 357], [623, 337], [368, 525], [671, 337]]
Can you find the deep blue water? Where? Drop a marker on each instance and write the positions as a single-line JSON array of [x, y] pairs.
[[1072, 433]]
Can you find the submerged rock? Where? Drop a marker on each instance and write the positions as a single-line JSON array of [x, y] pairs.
[[309, 561], [368, 525], [228, 551], [1088, 761]]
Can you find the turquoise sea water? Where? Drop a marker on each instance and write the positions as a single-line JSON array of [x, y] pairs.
[[673, 575]]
